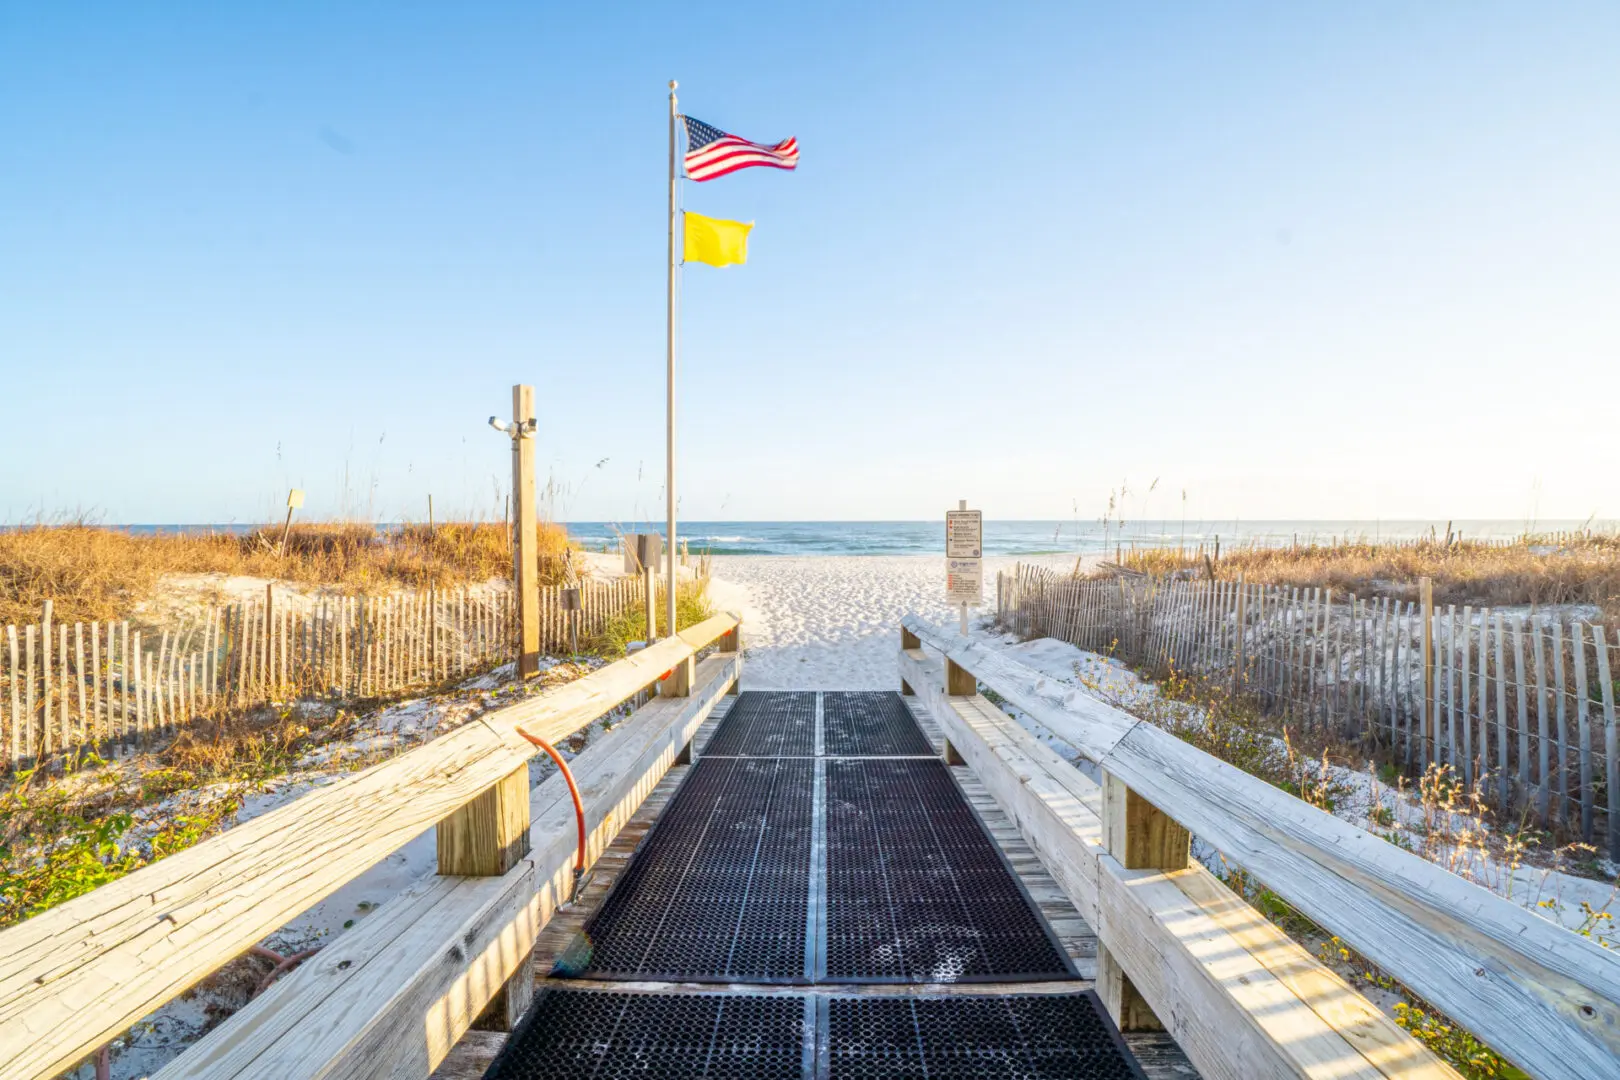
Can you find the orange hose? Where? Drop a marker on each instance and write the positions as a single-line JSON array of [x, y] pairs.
[[573, 789]]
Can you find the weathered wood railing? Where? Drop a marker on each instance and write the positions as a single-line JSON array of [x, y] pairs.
[[390, 997], [1180, 949]]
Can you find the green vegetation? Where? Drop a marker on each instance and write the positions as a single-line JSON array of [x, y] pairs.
[[691, 607]]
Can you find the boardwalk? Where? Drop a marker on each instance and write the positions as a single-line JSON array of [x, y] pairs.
[[808, 884], [987, 932]]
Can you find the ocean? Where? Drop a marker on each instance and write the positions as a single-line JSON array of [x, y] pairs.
[[1027, 537]]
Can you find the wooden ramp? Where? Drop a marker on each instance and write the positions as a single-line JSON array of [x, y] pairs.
[[834, 902]]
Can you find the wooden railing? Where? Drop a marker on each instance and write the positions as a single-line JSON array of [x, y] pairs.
[[1522, 709], [391, 997], [1180, 949]]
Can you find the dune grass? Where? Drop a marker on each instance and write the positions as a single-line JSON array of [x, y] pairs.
[[691, 607], [90, 572], [1580, 570]]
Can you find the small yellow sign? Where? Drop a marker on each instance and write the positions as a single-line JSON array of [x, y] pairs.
[[295, 499]]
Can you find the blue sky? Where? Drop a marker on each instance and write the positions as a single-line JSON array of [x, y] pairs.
[[1300, 260]]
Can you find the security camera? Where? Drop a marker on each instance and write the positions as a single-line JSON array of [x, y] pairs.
[[499, 425]]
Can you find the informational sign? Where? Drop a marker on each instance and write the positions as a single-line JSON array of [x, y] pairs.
[[964, 581], [964, 534]]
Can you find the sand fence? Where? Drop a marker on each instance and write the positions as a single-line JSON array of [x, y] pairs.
[[1520, 704], [117, 686]]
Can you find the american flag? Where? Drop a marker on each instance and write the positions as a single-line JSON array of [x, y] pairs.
[[710, 152]]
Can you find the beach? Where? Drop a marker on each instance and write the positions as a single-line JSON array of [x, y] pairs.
[[833, 621]]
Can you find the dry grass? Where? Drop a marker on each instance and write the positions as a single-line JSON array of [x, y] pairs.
[[98, 573], [1583, 570]]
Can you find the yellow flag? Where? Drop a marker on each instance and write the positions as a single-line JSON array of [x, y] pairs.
[[716, 242]]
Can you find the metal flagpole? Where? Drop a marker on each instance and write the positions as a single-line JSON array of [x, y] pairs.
[[669, 477]]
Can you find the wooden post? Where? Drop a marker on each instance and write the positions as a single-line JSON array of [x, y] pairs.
[[1611, 738], [649, 580], [682, 677], [486, 838], [1141, 837], [959, 681], [1426, 710], [525, 581], [47, 744], [732, 643], [908, 640], [1239, 657]]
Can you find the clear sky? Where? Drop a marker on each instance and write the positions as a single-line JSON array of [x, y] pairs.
[[1316, 260]]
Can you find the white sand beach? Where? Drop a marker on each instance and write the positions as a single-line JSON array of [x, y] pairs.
[[833, 621]]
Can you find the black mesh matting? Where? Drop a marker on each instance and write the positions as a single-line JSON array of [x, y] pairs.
[[1066, 1037], [718, 890], [581, 1035], [761, 724], [870, 723], [917, 891]]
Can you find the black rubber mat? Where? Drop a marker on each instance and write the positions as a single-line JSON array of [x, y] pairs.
[[872, 723], [718, 890], [584, 1035], [917, 891], [1066, 1037], [762, 724]]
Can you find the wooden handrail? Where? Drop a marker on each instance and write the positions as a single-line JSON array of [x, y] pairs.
[[80, 974], [1543, 997]]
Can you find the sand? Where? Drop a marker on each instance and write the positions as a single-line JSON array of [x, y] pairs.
[[832, 622]]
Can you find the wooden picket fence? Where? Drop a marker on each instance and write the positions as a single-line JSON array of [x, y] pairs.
[[1521, 705], [118, 685]]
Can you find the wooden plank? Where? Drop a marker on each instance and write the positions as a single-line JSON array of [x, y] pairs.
[[1426, 713], [1523, 716], [63, 697], [1583, 724], [128, 724], [1611, 739], [19, 719], [1451, 688], [1465, 682], [75, 976], [1502, 775], [1385, 666], [1544, 786], [1545, 996], [1560, 774], [47, 744]]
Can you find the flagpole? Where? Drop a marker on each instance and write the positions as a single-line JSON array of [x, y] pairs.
[[669, 457]]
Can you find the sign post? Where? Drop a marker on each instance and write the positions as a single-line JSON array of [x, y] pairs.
[[964, 562], [295, 499]]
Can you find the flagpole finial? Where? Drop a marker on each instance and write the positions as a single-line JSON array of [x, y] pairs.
[[673, 85]]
